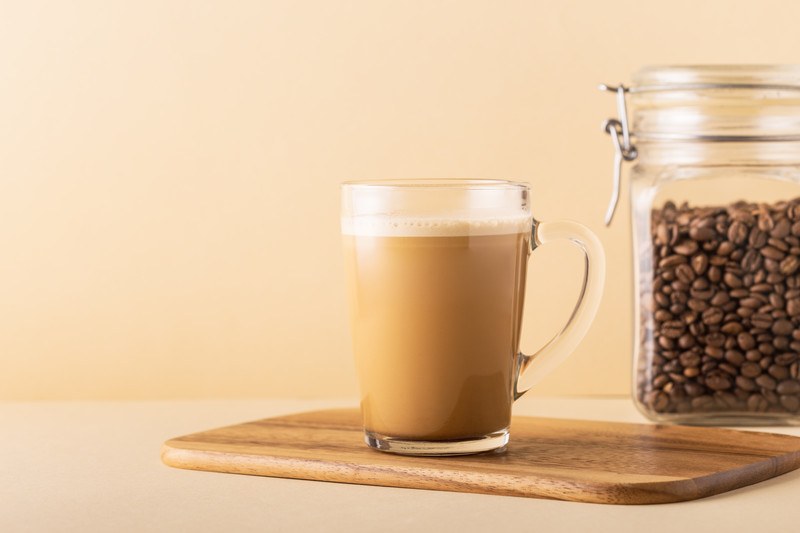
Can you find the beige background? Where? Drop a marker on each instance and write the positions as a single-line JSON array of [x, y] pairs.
[[169, 171]]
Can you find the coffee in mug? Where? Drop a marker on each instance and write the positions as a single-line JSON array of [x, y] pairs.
[[436, 277]]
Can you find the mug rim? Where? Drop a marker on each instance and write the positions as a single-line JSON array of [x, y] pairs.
[[438, 183]]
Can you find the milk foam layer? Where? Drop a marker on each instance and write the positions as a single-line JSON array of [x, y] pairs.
[[401, 226]]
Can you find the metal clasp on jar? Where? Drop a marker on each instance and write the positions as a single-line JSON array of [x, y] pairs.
[[624, 150]]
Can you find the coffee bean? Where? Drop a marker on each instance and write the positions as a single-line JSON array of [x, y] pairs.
[[685, 273], [766, 382], [718, 381], [763, 337], [657, 401], [716, 339], [737, 232], [660, 380], [725, 249], [741, 395], [782, 327], [666, 342], [714, 271], [689, 359], [750, 369], [752, 303], [710, 353], [741, 212], [772, 253], [771, 265], [689, 317], [700, 264], [776, 300], [789, 386], [793, 307], [700, 234], [694, 389], [732, 328], [771, 396], [746, 383], [745, 340], [661, 299], [720, 299], [677, 378], [752, 355], [757, 238], [662, 315], [782, 229], [672, 366], [779, 244], [751, 260], [775, 277], [673, 329], [732, 280], [726, 399], [778, 372], [712, 315], [702, 402], [679, 286], [789, 265], [697, 329], [697, 305], [690, 372], [686, 247], [708, 366], [734, 357], [790, 403], [662, 234], [671, 261], [781, 343], [757, 403], [765, 221], [761, 287], [761, 320], [701, 294], [686, 341]]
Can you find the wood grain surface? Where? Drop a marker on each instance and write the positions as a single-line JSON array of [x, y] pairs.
[[601, 462]]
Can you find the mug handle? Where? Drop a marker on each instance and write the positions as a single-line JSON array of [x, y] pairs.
[[535, 367]]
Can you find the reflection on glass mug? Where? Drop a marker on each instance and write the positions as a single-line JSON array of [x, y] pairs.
[[436, 275]]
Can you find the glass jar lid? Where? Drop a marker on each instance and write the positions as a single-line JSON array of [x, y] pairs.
[[686, 105], [716, 103]]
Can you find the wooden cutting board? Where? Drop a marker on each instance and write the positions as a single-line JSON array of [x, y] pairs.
[[601, 462]]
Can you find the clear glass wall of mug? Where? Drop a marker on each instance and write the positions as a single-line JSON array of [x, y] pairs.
[[436, 277]]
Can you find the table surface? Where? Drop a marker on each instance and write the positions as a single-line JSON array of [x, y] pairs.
[[75, 466]]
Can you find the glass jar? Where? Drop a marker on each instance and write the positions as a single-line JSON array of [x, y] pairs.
[[715, 204]]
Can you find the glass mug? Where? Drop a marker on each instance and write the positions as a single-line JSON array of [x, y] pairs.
[[436, 275]]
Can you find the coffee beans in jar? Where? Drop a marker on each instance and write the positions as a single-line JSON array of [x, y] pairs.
[[717, 279], [720, 315]]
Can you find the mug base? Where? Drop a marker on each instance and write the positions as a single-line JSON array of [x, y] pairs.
[[493, 442]]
